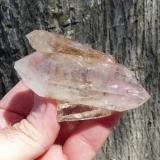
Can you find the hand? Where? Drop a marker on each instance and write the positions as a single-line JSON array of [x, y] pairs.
[[29, 130]]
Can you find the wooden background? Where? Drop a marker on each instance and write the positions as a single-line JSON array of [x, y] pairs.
[[128, 29]]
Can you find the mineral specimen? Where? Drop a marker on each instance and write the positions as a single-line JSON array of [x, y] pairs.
[[85, 82]]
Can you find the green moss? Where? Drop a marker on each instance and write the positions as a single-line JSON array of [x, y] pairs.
[[63, 19]]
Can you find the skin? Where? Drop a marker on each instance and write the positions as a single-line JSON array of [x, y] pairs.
[[29, 130]]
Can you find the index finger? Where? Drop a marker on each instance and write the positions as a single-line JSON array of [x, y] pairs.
[[89, 137], [19, 99]]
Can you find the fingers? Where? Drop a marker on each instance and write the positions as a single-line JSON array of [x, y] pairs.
[[18, 100], [31, 137], [8, 118], [89, 137], [54, 153], [67, 128]]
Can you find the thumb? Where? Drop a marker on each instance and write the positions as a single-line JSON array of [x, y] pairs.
[[31, 137]]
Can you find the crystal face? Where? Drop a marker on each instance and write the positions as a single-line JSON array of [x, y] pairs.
[[86, 83]]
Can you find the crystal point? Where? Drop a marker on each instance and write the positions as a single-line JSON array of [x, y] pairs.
[[90, 82]]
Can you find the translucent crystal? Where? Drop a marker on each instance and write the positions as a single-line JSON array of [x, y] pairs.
[[86, 83]]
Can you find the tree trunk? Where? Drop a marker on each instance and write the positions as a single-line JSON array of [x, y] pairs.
[[128, 29]]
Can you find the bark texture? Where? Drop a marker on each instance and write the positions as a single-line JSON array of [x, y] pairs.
[[128, 29]]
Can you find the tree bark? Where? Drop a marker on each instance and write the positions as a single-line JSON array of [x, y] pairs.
[[128, 29]]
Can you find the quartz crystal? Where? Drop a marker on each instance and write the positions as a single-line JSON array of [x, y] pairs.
[[86, 83]]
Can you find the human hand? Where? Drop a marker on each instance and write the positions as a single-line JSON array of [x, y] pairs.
[[29, 130]]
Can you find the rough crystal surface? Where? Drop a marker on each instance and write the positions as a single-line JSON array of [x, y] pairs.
[[87, 82]]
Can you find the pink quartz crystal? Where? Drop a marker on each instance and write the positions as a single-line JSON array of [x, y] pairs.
[[86, 83]]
